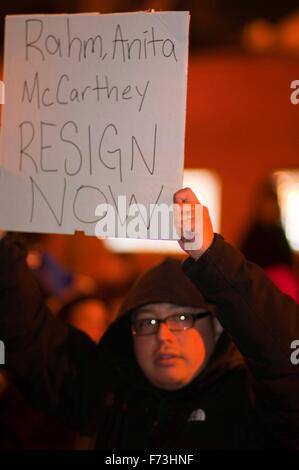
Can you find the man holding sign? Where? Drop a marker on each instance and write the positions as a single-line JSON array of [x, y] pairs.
[[96, 108], [165, 375]]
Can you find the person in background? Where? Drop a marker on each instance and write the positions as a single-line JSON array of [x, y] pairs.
[[265, 244], [87, 313]]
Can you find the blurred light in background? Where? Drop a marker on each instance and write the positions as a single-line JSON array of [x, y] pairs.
[[206, 185], [287, 186]]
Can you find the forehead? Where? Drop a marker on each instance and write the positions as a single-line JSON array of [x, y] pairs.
[[161, 310]]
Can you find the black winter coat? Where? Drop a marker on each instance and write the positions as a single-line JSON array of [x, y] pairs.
[[239, 401]]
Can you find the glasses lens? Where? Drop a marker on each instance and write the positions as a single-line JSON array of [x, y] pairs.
[[146, 326], [180, 321]]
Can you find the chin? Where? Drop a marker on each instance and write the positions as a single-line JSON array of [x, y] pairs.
[[171, 383], [172, 386]]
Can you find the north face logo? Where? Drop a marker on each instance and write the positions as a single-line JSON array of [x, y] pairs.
[[197, 415]]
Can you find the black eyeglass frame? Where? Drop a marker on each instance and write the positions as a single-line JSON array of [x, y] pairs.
[[194, 317]]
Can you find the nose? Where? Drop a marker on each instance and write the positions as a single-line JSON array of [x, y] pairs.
[[164, 332]]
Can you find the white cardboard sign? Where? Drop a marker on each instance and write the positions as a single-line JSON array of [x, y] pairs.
[[94, 109]]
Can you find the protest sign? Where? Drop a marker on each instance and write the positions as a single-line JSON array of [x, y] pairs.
[[94, 111]]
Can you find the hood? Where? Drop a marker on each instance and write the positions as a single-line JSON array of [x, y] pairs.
[[165, 282]]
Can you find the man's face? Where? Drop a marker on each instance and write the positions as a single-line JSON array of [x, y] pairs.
[[170, 360]]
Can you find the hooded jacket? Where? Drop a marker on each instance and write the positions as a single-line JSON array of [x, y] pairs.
[[238, 401]]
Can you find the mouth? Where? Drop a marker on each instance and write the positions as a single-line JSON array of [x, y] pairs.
[[167, 359]]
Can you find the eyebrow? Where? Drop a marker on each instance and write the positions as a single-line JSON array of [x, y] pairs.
[[144, 312]]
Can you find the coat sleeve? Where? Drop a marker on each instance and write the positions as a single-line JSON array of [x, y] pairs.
[[263, 323], [57, 366]]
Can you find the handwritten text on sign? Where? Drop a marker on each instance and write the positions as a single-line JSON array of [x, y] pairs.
[[95, 110]]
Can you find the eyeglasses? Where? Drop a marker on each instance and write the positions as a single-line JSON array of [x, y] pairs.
[[175, 322]]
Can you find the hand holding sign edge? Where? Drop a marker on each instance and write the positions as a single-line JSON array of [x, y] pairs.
[[201, 227]]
